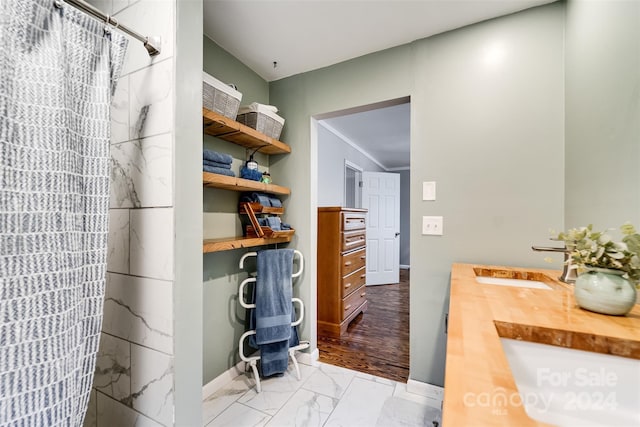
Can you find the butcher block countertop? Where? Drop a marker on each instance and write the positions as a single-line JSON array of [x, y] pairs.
[[480, 314]]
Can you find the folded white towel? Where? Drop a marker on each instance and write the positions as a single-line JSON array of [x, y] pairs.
[[256, 106]]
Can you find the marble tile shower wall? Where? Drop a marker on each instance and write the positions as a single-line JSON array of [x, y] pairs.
[[133, 383]]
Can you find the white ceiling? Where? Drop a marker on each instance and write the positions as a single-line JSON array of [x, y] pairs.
[[304, 35], [382, 133]]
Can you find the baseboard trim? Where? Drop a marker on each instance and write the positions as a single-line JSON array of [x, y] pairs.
[[226, 377], [425, 389], [223, 379], [308, 358], [405, 267]]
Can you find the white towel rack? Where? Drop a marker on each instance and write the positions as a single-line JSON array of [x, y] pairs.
[[252, 360]]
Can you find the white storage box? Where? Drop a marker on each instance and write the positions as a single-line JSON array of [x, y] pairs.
[[261, 118], [220, 97]]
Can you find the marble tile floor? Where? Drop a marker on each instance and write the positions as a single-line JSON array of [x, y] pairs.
[[326, 395]]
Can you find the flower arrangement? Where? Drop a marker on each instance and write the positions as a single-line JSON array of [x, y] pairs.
[[597, 249]]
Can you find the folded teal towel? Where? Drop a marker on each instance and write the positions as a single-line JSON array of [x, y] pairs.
[[275, 202], [251, 174], [274, 222], [220, 171], [216, 164], [262, 198], [214, 156]]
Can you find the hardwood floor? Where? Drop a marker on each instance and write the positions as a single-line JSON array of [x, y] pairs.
[[377, 342]]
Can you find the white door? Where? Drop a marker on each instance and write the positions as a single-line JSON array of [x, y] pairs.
[[381, 196]]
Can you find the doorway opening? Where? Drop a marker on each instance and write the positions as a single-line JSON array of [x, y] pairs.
[[352, 185], [356, 150]]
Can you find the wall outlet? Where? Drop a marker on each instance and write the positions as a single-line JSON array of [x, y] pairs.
[[432, 225], [429, 190]]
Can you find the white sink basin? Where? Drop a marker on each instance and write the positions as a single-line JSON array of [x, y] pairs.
[[521, 283], [568, 387]]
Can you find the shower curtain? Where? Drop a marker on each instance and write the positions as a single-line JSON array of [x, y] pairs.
[[58, 70]]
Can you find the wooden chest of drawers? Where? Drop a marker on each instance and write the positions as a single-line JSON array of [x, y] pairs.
[[342, 257]]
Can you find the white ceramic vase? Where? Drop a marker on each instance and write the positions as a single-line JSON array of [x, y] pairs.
[[605, 291]]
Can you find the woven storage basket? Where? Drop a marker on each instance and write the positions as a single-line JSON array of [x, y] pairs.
[[219, 97], [262, 120]]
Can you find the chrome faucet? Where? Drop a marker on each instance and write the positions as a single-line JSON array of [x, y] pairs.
[[569, 274]]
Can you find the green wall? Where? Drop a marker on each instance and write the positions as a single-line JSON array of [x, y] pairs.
[[488, 125], [490, 134], [223, 318], [603, 113]]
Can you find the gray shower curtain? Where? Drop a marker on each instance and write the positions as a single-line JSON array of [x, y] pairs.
[[58, 70]]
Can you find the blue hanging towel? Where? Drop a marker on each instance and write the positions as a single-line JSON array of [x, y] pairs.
[[273, 311]]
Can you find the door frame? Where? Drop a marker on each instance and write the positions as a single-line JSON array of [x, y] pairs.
[[313, 214]]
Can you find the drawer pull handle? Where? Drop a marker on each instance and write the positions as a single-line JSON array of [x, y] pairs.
[[363, 294], [348, 263], [347, 307], [362, 276], [348, 285], [363, 257]]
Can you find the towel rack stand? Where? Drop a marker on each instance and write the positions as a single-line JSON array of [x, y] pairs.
[[252, 360]]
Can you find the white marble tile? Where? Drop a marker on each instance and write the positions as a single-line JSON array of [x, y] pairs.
[[151, 100], [152, 384], [113, 367], [213, 405], [329, 380], [113, 413], [142, 173], [151, 244], [151, 18], [361, 404], [238, 415], [305, 408], [118, 241], [276, 391], [120, 112], [400, 412], [90, 417], [376, 379], [139, 310]]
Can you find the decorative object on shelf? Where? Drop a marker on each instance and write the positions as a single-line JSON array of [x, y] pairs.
[[215, 162], [220, 97], [250, 169], [609, 271], [262, 118], [266, 178]]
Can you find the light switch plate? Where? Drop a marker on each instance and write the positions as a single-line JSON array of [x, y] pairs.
[[429, 190], [432, 225]]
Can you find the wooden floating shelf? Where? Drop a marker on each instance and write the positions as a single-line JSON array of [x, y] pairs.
[[258, 208], [225, 128], [227, 244], [215, 180]]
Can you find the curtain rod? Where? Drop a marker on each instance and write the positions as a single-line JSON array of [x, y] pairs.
[[152, 43]]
